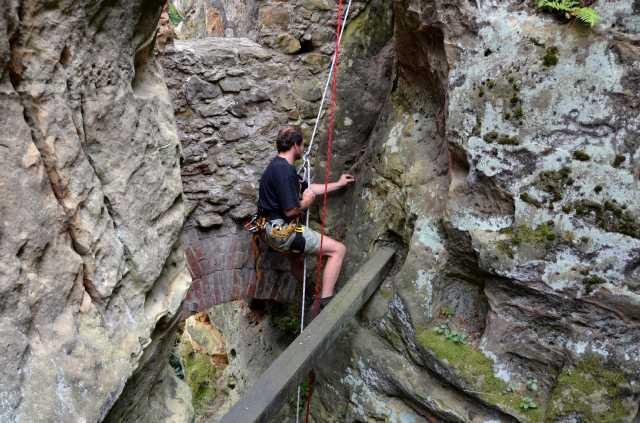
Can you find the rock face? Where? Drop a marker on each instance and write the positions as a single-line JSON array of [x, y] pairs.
[[92, 272], [231, 96], [506, 163], [497, 147], [230, 101]]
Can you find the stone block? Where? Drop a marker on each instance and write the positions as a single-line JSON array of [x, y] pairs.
[[206, 221], [308, 89], [234, 133], [270, 16], [234, 84], [197, 90], [287, 43], [318, 5]]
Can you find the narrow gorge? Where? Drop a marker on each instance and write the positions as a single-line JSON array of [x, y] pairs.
[[496, 148]]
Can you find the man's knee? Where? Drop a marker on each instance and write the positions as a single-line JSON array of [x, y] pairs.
[[335, 248]]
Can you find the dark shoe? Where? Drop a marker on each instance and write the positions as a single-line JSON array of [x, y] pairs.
[[324, 301]]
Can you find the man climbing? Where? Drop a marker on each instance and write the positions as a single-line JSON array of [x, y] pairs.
[[281, 204]]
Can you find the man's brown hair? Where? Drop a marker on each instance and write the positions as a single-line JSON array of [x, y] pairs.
[[287, 137]]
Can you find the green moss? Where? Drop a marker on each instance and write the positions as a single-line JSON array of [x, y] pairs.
[[620, 158], [591, 282], [369, 31], [514, 100], [507, 140], [550, 57], [542, 234], [507, 115], [590, 391], [491, 83], [490, 137], [174, 16], [285, 317], [477, 127], [200, 375], [581, 155], [518, 113], [530, 200], [553, 182], [476, 371], [505, 248], [480, 92], [609, 216]]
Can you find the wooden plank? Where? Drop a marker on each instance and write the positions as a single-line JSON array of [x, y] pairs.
[[280, 380]]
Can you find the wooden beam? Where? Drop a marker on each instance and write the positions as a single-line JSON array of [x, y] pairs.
[[280, 380]]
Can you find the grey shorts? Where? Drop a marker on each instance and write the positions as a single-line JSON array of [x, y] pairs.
[[311, 237]]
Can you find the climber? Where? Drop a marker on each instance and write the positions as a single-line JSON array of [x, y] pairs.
[[281, 205]]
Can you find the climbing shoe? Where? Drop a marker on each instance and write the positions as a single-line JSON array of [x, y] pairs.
[[324, 301]]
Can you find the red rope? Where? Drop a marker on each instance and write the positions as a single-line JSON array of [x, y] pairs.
[[332, 110], [323, 219]]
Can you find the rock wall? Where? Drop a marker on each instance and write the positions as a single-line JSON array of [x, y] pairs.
[[92, 272], [506, 161], [497, 147], [231, 96]]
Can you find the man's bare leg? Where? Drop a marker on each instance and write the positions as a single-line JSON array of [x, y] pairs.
[[334, 252]]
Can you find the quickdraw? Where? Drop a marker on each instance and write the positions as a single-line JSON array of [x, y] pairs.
[[256, 224]]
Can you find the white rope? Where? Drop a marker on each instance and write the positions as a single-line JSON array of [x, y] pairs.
[[307, 177], [326, 89]]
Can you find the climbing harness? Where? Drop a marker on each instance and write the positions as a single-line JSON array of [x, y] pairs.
[[306, 166]]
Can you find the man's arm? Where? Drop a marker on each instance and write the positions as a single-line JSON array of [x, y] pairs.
[[344, 180], [307, 199]]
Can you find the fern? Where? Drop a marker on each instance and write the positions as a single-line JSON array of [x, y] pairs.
[[586, 15], [572, 8], [560, 6], [174, 15]]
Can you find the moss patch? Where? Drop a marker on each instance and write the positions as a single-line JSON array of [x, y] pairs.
[[501, 139], [200, 375], [476, 371], [591, 391], [505, 248], [285, 317], [591, 282], [619, 159], [369, 31], [542, 234], [609, 216], [550, 57], [507, 140], [542, 237], [530, 200], [581, 155], [554, 182]]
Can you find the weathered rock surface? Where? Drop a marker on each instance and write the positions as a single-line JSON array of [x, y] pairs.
[[92, 272], [497, 147], [231, 96], [513, 185]]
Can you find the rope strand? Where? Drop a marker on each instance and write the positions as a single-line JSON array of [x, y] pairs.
[[332, 77]]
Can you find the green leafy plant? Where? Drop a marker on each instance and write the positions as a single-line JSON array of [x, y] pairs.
[[174, 15], [527, 403], [451, 335], [457, 337], [571, 9], [532, 384], [446, 312]]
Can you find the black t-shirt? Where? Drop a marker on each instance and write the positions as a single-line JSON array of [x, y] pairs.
[[280, 188]]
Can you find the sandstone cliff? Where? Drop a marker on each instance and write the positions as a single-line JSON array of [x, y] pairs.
[[92, 272], [497, 147]]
